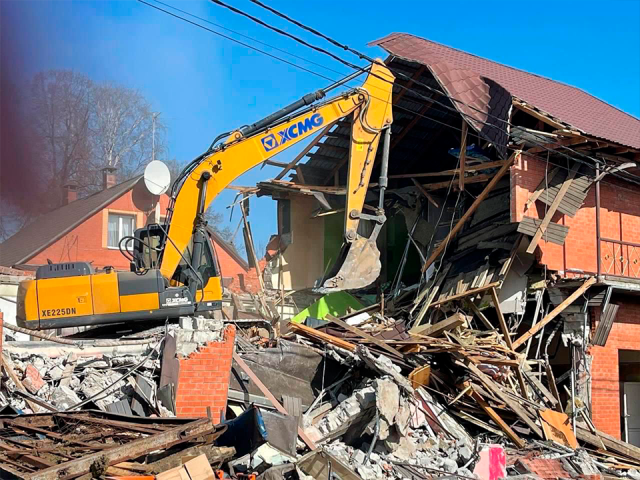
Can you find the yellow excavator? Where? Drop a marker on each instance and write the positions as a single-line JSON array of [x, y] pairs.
[[174, 270]]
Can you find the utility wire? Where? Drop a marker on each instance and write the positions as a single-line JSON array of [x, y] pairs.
[[402, 74], [236, 41], [250, 38], [413, 91]]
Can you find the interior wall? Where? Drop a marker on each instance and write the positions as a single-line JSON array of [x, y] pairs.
[[302, 261]]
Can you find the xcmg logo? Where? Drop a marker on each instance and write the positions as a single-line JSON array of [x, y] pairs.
[[272, 141]]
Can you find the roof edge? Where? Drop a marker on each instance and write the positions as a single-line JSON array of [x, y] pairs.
[[391, 36], [233, 253], [92, 212]]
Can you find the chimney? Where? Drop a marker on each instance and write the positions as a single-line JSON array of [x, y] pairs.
[[108, 177], [69, 193]]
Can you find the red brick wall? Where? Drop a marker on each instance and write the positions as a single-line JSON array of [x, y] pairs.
[[204, 379], [619, 217], [85, 242], [605, 388]]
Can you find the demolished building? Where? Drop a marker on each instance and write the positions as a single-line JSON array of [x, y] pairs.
[[496, 343], [544, 196]]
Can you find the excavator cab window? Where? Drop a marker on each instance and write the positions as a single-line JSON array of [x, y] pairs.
[[208, 265]]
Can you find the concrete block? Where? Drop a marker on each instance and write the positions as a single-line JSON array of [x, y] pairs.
[[387, 398], [64, 398], [186, 323], [184, 336], [185, 349]]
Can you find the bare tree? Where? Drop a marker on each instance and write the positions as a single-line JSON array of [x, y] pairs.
[[121, 130], [59, 112]]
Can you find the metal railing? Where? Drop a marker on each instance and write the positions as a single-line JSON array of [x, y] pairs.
[[618, 258]]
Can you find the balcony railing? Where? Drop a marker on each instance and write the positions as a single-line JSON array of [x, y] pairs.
[[620, 259]]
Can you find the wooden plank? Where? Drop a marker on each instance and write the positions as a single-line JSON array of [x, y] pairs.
[[265, 391], [504, 398], [555, 233], [425, 193], [318, 335], [454, 171], [467, 215], [520, 105], [551, 381], [463, 153], [501, 320], [493, 415], [538, 191], [433, 290], [366, 336], [468, 293], [554, 313], [304, 151], [467, 180], [612, 443], [419, 377], [437, 329], [552, 209], [558, 144]]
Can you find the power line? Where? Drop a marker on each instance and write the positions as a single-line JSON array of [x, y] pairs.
[[249, 38], [235, 40], [402, 86], [411, 90]]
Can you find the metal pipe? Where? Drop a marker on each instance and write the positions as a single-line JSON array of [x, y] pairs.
[[384, 168], [573, 389], [308, 99], [598, 246]]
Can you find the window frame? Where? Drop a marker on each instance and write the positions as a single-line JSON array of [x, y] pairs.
[[121, 215]]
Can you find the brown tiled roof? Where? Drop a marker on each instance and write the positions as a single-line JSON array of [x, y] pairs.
[[50, 227], [569, 104], [229, 248]]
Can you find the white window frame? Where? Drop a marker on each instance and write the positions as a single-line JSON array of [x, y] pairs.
[[120, 216]]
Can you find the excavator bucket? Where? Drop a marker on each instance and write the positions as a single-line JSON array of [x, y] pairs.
[[358, 266]]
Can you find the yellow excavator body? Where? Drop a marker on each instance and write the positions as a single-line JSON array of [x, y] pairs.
[[174, 270]]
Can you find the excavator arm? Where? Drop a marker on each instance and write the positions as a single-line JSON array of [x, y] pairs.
[[370, 106]]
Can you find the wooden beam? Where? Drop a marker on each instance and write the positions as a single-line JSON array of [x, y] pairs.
[[554, 313], [366, 336], [480, 315], [426, 194], [454, 171], [300, 175], [265, 391], [463, 154], [493, 415], [467, 293], [304, 151], [417, 117], [503, 397], [416, 75], [466, 180], [540, 116], [552, 208], [558, 144], [501, 321], [467, 215], [439, 328], [538, 191], [324, 337]]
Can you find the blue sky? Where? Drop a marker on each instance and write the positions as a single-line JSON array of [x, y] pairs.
[[204, 85]]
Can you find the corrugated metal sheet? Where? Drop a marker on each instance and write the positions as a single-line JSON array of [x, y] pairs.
[[604, 326], [555, 233]]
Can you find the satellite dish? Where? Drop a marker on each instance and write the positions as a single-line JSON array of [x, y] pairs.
[[157, 177]]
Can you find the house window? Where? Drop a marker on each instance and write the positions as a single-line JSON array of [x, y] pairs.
[[120, 226]]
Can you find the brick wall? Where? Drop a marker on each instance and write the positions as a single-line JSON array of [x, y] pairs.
[[87, 242], [605, 387], [204, 379], [619, 217]]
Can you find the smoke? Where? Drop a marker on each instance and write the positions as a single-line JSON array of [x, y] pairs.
[[21, 184]]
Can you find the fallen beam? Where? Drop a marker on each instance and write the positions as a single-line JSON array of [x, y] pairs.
[[467, 215], [265, 391], [554, 313]]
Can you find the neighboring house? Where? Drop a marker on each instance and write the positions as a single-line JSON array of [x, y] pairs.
[[89, 229], [592, 228]]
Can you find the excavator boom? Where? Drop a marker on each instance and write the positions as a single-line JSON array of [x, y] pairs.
[[174, 270]]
